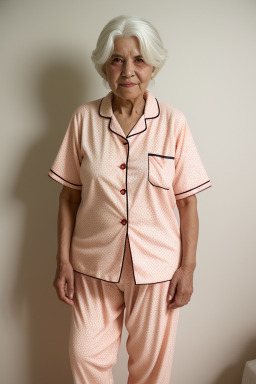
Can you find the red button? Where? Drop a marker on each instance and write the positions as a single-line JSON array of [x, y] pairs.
[[122, 166], [123, 191], [124, 221]]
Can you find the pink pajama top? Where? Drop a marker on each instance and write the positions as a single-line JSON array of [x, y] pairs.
[[129, 187]]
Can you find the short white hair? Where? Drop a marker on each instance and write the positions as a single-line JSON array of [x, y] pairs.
[[151, 44]]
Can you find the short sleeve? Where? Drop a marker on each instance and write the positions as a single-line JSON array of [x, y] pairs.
[[66, 166], [190, 174]]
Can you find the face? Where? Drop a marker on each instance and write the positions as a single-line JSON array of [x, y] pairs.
[[126, 65]]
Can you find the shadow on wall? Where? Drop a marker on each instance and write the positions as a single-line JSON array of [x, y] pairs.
[[60, 89], [234, 373]]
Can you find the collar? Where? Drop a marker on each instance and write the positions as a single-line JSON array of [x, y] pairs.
[[151, 111]]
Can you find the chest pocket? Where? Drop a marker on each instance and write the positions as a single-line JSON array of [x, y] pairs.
[[161, 170]]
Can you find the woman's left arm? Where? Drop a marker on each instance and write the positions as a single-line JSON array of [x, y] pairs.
[[181, 285]]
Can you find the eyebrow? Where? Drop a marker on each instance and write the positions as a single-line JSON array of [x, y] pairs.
[[117, 55]]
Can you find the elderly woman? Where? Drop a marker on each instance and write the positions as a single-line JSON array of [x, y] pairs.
[[125, 161]]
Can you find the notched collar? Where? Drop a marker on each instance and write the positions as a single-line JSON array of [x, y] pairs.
[[151, 111]]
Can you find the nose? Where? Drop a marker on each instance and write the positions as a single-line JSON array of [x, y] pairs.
[[127, 69]]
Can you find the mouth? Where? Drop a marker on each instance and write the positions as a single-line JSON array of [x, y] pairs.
[[127, 84]]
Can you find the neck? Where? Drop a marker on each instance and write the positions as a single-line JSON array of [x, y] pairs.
[[128, 107]]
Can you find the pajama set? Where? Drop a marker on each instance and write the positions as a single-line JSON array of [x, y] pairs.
[[126, 244]]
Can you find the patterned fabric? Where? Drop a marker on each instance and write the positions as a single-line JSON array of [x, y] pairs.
[[97, 322], [129, 186]]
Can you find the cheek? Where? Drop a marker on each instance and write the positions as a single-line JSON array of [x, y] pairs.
[[145, 74], [114, 73]]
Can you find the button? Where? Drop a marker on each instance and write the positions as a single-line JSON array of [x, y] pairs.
[[123, 191], [124, 221], [122, 166]]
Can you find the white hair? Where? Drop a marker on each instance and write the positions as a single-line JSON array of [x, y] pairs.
[[151, 44]]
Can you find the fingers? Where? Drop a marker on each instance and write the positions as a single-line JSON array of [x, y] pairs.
[[64, 286], [179, 300], [180, 289], [176, 297], [176, 302], [69, 287], [172, 293]]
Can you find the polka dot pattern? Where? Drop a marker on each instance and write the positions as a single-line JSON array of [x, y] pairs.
[[67, 164], [129, 187], [96, 329]]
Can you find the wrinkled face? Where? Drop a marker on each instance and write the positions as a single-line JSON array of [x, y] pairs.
[[126, 65]]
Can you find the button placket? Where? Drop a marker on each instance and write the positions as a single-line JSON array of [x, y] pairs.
[[123, 192]]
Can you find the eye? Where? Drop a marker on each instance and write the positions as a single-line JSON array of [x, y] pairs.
[[140, 59], [116, 58]]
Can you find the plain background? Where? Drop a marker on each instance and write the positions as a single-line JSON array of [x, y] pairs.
[[46, 72]]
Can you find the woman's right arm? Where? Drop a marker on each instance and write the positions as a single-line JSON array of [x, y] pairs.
[[69, 201]]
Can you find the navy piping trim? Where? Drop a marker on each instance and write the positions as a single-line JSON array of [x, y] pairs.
[[127, 142], [158, 186], [192, 188], [156, 154], [128, 136], [127, 215], [78, 185], [147, 118], [98, 278]]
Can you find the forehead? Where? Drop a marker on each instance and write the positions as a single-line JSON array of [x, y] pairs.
[[128, 45]]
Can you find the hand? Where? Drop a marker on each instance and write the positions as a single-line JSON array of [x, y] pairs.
[[64, 282], [181, 287]]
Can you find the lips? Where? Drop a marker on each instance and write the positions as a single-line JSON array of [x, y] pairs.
[[127, 85]]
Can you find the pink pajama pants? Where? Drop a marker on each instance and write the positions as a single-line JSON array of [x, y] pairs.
[[97, 322]]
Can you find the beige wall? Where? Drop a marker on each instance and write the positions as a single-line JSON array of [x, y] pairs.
[[210, 75]]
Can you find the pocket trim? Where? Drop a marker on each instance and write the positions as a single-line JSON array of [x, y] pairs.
[[156, 154]]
